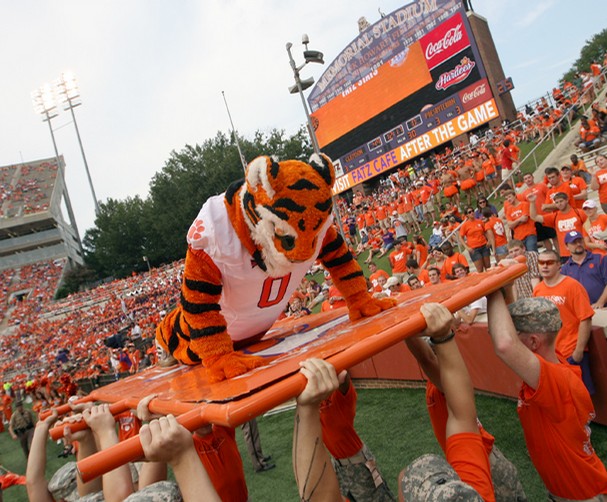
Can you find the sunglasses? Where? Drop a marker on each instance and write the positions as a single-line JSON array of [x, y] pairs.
[[547, 262], [470, 212], [482, 202]]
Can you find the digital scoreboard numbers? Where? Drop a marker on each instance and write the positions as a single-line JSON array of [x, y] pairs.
[[504, 86]]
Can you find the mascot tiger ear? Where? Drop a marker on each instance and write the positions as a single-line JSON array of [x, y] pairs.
[[248, 250]]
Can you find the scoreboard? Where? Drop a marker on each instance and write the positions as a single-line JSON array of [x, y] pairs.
[[405, 85]]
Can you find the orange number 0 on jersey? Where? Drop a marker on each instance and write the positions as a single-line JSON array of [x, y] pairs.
[[266, 300]]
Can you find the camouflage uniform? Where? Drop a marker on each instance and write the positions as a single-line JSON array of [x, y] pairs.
[[92, 497], [360, 479], [162, 491], [63, 483], [506, 483], [430, 478]]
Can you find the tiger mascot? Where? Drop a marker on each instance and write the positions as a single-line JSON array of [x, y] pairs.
[[248, 250]]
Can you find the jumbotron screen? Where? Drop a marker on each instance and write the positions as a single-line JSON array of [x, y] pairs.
[[408, 83]]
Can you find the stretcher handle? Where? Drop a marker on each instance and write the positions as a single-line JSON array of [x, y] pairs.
[[64, 408], [57, 431]]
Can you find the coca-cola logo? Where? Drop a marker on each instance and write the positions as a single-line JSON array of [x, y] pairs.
[[455, 76], [478, 91], [452, 36]]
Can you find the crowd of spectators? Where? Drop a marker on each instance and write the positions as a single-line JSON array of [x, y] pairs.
[[26, 188]]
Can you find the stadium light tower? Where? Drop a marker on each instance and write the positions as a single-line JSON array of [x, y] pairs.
[[44, 103], [300, 86], [69, 95]]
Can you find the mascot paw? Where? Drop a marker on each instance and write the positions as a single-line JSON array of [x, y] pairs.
[[366, 306], [230, 365]]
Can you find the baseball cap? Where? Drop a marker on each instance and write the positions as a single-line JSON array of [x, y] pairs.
[[535, 315], [572, 236], [392, 281], [430, 477], [590, 204]]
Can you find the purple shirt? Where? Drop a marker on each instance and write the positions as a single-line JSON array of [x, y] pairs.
[[591, 273]]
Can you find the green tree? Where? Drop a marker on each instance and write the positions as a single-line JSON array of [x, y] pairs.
[[593, 50], [156, 227], [118, 241], [76, 276]]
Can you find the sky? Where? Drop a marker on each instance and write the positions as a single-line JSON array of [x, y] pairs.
[[151, 72]]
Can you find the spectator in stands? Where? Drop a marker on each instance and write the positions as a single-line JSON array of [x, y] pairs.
[[564, 220], [473, 238], [575, 309], [589, 269], [595, 228], [589, 134], [523, 286], [599, 180]]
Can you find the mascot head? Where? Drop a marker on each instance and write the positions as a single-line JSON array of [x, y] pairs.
[[285, 205]]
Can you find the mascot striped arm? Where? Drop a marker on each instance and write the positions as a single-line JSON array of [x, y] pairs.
[[248, 250]]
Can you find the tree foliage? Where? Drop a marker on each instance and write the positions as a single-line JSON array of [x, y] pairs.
[[593, 50], [156, 227]]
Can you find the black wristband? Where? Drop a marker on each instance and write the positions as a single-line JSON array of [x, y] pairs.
[[443, 339]]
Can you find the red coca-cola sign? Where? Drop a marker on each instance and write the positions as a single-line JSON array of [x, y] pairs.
[[456, 75], [475, 94], [445, 41]]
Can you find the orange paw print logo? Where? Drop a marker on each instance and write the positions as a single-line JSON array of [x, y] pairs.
[[196, 230]]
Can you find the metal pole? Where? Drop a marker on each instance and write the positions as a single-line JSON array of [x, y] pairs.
[[242, 157], [86, 166], [315, 146], [68, 203], [303, 99]]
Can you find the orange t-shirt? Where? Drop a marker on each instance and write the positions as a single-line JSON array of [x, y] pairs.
[[496, 226], [334, 292], [539, 190], [591, 229], [128, 425], [474, 233], [398, 260], [601, 177], [555, 419], [423, 277], [573, 303], [466, 454], [423, 253], [522, 230], [438, 413], [337, 414], [450, 261], [373, 278], [563, 223], [380, 213], [219, 454], [576, 184], [563, 187]]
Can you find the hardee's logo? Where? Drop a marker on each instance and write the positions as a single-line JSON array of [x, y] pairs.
[[452, 36], [455, 76]]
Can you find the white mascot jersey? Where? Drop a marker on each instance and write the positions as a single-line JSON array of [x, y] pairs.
[[251, 300]]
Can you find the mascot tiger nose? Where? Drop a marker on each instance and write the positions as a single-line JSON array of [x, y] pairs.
[[248, 250]]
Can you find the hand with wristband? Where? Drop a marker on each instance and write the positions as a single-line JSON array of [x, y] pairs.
[[439, 323]]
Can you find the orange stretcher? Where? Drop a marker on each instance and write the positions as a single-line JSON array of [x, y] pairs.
[[185, 392]]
